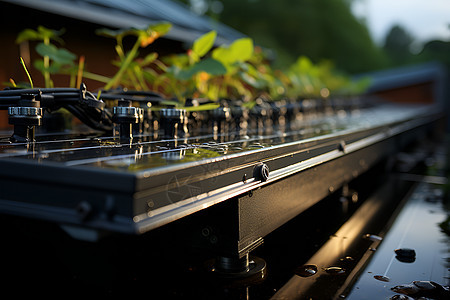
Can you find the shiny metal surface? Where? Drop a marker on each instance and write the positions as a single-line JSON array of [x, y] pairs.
[[24, 111], [151, 182], [128, 111]]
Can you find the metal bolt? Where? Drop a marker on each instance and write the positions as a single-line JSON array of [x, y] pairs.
[[244, 178]]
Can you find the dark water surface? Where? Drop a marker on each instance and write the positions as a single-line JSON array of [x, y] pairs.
[[416, 228]]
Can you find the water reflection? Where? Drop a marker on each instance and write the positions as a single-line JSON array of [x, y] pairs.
[[411, 252], [340, 255]]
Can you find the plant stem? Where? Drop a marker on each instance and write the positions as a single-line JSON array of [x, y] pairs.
[[46, 66], [134, 80], [80, 70], [96, 77], [138, 71], [119, 50], [129, 58]]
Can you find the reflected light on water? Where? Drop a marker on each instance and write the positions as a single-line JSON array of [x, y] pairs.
[[333, 257]]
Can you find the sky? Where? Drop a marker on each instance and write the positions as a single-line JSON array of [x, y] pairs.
[[424, 19]]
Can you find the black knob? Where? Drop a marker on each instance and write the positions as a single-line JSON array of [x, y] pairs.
[[125, 115], [24, 118], [172, 119], [261, 172]]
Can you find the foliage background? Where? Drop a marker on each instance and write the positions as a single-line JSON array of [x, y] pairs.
[[320, 30]]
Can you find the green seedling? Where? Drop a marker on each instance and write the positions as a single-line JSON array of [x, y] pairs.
[[144, 37], [236, 71], [179, 73]]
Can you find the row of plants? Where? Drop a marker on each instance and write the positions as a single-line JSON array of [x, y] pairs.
[[238, 71]]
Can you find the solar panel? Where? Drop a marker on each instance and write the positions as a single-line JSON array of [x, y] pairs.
[[137, 164]]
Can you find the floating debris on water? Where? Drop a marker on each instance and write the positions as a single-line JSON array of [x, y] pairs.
[[405, 252], [405, 255], [306, 270], [382, 278], [429, 289], [372, 237], [335, 270], [407, 289]]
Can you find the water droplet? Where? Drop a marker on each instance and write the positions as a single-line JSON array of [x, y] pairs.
[[347, 258], [372, 237], [306, 270], [382, 278], [335, 270]]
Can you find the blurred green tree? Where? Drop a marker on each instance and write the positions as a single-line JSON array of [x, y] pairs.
[[397, 46]]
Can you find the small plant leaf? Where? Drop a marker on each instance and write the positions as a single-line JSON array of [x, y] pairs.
[[242, 49], [42, 34], [27, 35], [50, 34], [109, 32], [148, 34], [252, 81], [209, 65], [153, 32], [148, 59], [204, 43], [61, 56], [179, 61], [162, 28], [54, 68], [239, 51]]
